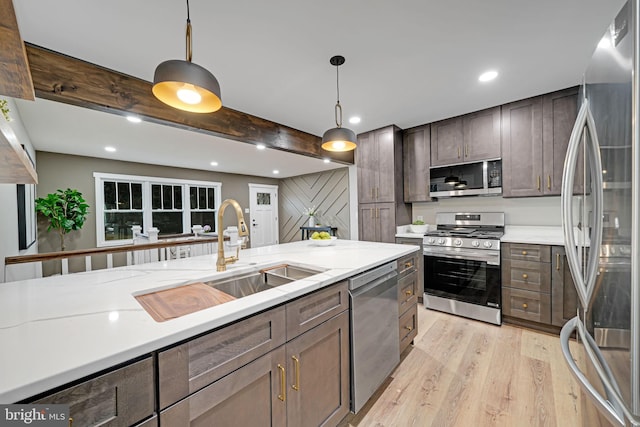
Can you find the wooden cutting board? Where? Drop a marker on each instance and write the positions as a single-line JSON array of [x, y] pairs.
[[175, 302]]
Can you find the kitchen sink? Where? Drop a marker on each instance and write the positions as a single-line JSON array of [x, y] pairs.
[[176, 302]]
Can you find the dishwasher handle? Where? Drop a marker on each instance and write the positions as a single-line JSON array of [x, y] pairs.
[[371, 275], [369, 286]]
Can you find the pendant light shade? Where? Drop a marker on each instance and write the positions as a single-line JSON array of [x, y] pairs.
[[185, 85], [338, 138]]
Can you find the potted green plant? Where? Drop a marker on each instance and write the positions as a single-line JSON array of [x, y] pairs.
[[66, 211], [418, 226]]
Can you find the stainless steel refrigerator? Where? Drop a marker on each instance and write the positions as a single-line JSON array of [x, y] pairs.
[[600, 208]]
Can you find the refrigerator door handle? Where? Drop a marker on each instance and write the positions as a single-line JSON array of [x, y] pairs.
[[585, 284], [613, 407]]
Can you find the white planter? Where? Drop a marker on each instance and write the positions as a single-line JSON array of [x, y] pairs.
[[312, 221]]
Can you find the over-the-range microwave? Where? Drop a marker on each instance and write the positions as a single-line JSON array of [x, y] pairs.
[[468, 179]]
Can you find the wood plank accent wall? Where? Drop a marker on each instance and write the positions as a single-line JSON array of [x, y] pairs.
[[328, 191], [14, 68], [61, 78]]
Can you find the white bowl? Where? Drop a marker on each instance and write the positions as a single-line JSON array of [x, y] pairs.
[[419, 229], [324, 242]]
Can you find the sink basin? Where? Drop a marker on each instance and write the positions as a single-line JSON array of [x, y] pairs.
[[176, 302]]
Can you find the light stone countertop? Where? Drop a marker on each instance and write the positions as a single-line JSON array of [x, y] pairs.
[[535, 234], [62, 328]]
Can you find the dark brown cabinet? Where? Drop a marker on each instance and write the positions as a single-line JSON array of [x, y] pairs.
[[535, 136], [304, 381], [407, 267], [380, 185], [416, 153], [122, 397], [537, 285], [564, 297], [419, 262], [468, 138]]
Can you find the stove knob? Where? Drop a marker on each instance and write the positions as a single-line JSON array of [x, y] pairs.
[[441, 241], [625, 250], [475, 244], [612, 250], [487, 244], [431, 241], [457, 242]]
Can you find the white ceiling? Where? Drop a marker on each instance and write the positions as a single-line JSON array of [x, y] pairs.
[[407, 63]]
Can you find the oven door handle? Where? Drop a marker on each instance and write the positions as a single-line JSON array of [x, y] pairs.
[[491, 258]]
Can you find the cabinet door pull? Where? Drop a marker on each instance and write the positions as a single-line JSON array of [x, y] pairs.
[[70, 421], [525, 276], [538, 182], [408, 328], [558, 261], [296, 369], [525, 305], [408, 292], [283, 383], [377, 212], [524, 253], [548, 182], [377, 193], [458, 152], [373, 195], [466, 150], [407, 264], [372, 216]]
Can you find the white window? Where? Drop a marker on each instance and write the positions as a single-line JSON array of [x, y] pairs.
[[171, 205]]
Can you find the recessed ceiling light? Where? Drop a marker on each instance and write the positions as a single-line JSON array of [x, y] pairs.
[[214, 163], [327, 160], [134, 119], [276, 171], [354, 120], [261, 146], [488, 76], [110, 149]]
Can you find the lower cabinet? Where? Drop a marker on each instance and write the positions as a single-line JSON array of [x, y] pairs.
[[303, 382], [537, 285], [419, 262], [408, 291], [122, 397]]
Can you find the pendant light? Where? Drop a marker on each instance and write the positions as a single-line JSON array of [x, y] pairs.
[[338, 138], [185, 85]]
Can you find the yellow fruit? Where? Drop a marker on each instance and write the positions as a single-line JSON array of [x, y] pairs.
[[316, 235]]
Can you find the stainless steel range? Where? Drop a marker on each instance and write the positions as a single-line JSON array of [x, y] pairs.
[[462, 265]]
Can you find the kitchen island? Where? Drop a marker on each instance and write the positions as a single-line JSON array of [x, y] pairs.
[[59, 329]]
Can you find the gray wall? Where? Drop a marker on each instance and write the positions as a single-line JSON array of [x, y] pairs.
[[61, 171], [328, 191]]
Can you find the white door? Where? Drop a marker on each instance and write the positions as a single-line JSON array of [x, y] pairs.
[[263, 214]]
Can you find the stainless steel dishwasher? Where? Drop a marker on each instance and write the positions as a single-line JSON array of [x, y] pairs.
[[375, 348]]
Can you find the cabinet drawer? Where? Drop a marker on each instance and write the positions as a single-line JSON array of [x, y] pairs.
[[526, 252], [526, 275], [309, 311], [408, 324], [190, 366], [407, 264], [527, 305], [407, 291], [118, 398]]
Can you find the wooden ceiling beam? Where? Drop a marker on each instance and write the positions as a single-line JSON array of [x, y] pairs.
[[61, 78], [15, 78]]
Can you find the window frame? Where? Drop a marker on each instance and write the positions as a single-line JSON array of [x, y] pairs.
[[147, 212]]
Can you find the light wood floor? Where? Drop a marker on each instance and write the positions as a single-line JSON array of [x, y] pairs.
[[463, 372]]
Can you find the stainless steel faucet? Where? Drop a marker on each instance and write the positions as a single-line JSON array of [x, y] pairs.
[[221, 263]]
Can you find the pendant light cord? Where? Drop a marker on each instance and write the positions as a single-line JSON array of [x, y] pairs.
[[338, 110], [189, 53]]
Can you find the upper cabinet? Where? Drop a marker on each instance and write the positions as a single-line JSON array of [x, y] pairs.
[[379, 157], [416, 155], [535, 136], [468, 138], [15, 165]]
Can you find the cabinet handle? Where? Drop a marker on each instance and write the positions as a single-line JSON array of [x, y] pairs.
[[376, 193], [408, 293], [558, 261], [524, 252], [372, 215], [548, 182], [373, 195], [407, 264], [296, 367], [458, 152], [525, 305], [538, 182], [408, 328], [70, 421], [466, 150], [283, 383], [377, 212], [525, 276]]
